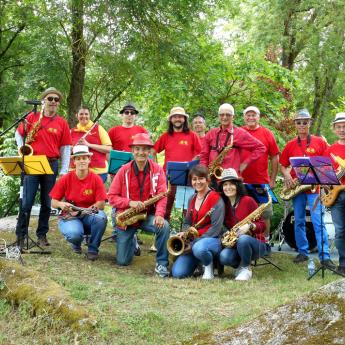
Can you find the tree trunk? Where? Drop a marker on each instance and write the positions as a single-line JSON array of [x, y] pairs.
[[78, 60]]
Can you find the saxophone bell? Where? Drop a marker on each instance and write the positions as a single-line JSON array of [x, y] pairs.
[[217, 172], [25, 150], [176, 245]]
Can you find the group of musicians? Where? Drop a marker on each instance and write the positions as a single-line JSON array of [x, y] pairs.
[[229, 157]]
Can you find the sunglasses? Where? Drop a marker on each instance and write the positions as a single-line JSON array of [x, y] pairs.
[[304, 123], [56, 99], [128, 112]]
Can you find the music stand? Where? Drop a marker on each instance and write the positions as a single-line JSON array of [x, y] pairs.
[[117, 159], [316, 170], [26, 165]]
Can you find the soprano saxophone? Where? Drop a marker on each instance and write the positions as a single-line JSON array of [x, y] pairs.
[[229, 238], [132, 216]]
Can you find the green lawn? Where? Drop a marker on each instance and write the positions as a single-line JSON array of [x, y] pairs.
[[133, 306]]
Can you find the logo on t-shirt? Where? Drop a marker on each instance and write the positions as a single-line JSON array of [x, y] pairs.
[[87, 192], [52, 130], [310, 150], [183, 142]]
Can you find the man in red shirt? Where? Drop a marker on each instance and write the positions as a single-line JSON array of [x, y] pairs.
[[227, 134], [134, 184], [121, 136], [52, 139], [179, 144], [337, 154], [257, 171], [305, 145]]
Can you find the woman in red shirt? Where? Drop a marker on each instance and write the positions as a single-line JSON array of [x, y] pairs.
[[207, 244], [251, 240], [84, 189]]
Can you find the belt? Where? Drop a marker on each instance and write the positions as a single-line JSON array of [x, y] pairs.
[[52, 159]]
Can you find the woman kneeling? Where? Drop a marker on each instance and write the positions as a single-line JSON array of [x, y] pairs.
[[203, 221], [250, 237]]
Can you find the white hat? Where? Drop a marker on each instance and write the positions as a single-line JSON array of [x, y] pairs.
[[229, 175], [177, 111], [340, 117], [81, 150], [253, 109], [226, 108]]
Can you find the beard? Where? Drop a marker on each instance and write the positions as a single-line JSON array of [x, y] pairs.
[[178, 125]]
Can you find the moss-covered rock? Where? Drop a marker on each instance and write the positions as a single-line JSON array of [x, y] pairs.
[[315, 319], [20, 284]]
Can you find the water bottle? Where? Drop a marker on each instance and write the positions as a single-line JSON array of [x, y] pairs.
[[311, 267]]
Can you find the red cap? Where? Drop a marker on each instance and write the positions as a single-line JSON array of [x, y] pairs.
[[141, 139]]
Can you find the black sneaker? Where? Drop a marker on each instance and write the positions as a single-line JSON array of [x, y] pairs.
[[341, 270], [91, 256], [300, 258], [76, 249], [137, 250], [328, 264], [42, 241], [20, 242]]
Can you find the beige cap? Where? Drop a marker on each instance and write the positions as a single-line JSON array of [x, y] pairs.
[[177, 111]]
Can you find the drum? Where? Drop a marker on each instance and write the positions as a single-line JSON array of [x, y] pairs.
[[289, 231]]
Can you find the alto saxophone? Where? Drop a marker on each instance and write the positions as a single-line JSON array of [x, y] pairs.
[[177, 245], [27, 150], [132, 216], [229, 238], [214, 167], [287, 194]]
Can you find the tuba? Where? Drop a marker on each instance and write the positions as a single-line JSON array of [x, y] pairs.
[[27, 150], [132, 216], [229, 238], [177, 245]]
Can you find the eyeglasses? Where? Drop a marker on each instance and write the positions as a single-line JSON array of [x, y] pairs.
[[304, 123], [227, 115], [128, 112], [56, 99]]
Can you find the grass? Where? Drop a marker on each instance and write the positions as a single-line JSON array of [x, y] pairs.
[[133, 306]]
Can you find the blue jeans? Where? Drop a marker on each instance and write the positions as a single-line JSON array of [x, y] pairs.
[[125, 244], [30, 187], [203, 251], [73, 229], [299, 204], [338, 217], [247, 249]]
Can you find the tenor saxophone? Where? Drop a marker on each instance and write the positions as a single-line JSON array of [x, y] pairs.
[[177, 245], [229, 238], [287, 194], [132, 216]]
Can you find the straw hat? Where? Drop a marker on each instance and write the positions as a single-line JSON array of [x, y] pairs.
[[177, 111], [81, 150], [51, 90]]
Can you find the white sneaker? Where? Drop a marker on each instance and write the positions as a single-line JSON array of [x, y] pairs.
[[244, 274], [208, 271]]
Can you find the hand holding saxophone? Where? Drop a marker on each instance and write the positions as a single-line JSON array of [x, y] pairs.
[[244, 229], [137, 205]]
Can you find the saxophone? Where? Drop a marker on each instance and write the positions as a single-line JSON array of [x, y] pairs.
[[27, 150], [230, 237], [177, 245], [132, 216], [214, 167], [287, 194]]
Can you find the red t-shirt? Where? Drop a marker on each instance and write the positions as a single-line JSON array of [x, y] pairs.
[[53, 133], [293, 148], [121, 137], [245, 207], [178, 147], [337, 150], [81, 193], [257, 171]]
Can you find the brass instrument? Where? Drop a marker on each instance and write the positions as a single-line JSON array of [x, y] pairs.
[[289, 193], [27, 150], [229, 238], [177, 245], [214, 167], [132, 216]]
